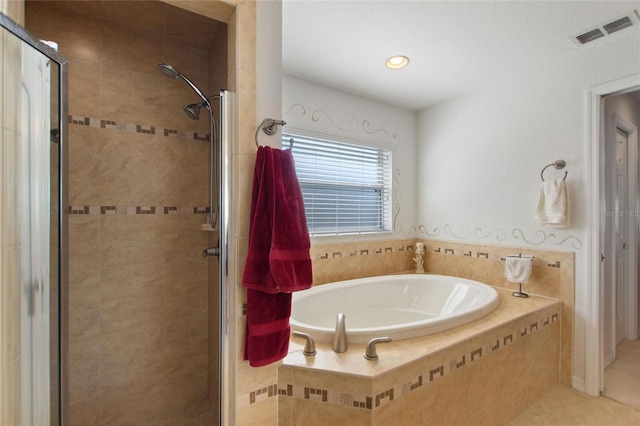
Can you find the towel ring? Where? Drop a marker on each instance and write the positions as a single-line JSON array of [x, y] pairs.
[[268, 126], [558, 164]]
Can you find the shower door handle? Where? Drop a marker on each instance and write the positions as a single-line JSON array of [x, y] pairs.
[[211, 251]]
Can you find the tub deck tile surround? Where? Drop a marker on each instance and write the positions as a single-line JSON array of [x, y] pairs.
[[522, 332], [394, 354], [553, 276], [550, 340]]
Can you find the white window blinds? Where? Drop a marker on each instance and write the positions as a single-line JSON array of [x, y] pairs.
[[346, 187]]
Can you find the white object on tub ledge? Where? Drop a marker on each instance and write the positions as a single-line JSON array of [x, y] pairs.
[[398, 306]]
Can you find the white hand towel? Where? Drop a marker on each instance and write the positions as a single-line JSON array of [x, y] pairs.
[[518, 269], [553, 206]]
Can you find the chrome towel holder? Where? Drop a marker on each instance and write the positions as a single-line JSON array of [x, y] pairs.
[[268, 126], [558, 165]]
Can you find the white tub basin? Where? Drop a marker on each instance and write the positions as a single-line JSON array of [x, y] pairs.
[[396, 306]]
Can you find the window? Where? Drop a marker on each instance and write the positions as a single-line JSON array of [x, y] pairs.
[[346, 187]]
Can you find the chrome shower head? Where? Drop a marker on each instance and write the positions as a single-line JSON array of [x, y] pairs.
[[169, 71], [193, 111]]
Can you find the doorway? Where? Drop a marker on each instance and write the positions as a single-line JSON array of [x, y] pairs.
[[595, 298], [620, 170], [619, 282]]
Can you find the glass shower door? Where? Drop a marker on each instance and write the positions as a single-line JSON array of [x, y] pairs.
[[34, 206], [33, 100]]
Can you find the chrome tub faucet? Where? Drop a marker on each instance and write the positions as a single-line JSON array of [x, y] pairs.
[[340, 335]]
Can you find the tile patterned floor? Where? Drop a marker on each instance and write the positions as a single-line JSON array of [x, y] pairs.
[[563, 406], [622, 377], [619, 406]]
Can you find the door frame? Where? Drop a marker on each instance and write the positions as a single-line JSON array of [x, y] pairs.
[[632, 198], [595, 218]]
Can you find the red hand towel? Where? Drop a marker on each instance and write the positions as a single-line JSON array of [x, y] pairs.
[[278, 260]]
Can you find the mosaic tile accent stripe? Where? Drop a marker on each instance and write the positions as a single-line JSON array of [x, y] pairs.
[[100, 210], [138, 128], [479, 254], [385, 249], [412, 385], [389, 247], [263, 393], [432, 374]]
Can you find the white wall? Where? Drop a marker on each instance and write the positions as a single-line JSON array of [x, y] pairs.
[[324, 111], [480, 156]]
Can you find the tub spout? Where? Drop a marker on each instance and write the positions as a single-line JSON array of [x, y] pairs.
[[340, 335]]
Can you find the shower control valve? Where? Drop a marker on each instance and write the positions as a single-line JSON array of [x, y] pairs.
[[211, 251]]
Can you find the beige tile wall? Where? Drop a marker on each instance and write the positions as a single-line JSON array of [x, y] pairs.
[[242, 59], [552, 276], [336, 262], [138, 176]]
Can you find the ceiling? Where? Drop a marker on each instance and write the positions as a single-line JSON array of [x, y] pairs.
[[453, 45], [153, 18]]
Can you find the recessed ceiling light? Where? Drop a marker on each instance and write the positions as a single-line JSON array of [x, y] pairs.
[[397, 62]]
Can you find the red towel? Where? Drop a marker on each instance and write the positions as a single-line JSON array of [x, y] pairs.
[[278, 261], [267, 332]]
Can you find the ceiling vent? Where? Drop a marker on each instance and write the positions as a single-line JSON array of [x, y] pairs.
[[589, 36], [607, 28], [620, 24]]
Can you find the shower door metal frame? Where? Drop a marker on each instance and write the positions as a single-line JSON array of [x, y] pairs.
[[62, 197], [224, 356]]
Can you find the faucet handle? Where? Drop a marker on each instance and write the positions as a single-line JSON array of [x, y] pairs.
[[310, 346], [371, 353]]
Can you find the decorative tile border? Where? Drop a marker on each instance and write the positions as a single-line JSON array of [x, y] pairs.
[[263, 393], [156, 210], [485, 255], [137, 128], [335, 252], [432, 374]]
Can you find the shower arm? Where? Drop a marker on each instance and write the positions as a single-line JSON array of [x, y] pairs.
[[194, 87]]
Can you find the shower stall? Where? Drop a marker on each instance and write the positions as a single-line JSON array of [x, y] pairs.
[[142, 317]]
